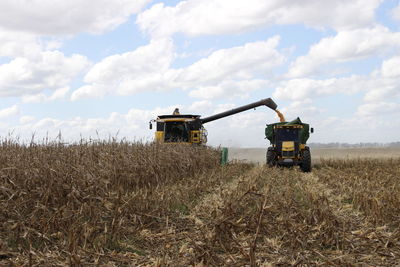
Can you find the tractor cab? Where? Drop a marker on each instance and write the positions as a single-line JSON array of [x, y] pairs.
[[288, 144], [287, 140]]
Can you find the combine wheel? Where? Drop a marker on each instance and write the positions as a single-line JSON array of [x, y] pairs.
[[305, 164], [271, 157]]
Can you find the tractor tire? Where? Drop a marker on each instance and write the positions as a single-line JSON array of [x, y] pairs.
[[271, 157], [305, 164]]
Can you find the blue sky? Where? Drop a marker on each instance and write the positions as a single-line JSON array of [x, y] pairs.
[[107, 69]]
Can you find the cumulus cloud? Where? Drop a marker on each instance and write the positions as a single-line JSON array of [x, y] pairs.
[[26, 119], [200, 106], [301, 108], [356, 129], [378, 109], [40, 98], [148, 68], [375, 87], [299, 89], [10, 111], [198, 17], [59, 17], [396, 13], [13, 44], [145, 68], [385, 82], [49, 70], [241, 62], [345, 46], [229, 89], [34, 66], [390, 67]]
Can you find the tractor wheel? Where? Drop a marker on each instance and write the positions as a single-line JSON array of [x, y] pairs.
[[305, 164], [271, 157]]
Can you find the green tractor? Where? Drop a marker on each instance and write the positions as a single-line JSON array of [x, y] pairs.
[[288, 144]]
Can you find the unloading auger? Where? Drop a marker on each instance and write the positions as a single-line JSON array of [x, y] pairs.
[[189, 129]]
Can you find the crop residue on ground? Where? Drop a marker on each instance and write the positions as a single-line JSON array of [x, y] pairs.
[[125, 203]]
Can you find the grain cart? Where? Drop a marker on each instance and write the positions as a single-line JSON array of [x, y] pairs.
[[188, 129], [288, 144]]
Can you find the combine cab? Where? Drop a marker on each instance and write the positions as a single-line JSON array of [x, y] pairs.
[[178, 128], [288, 144]]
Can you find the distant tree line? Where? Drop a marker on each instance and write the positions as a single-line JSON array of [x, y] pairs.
[[355, 145]]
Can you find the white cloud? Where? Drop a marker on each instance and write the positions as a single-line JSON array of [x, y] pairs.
[[49, 70], [198, 17], [356, 129], [378, 109], [8, 112], [145, 68], [59, 93], [13, 44], [301, 108], [241, 62], [59, 17], [148, 68], [229, 89], [391, 67], [381, 85], [345, 46], [396, 13], [300, 89], [27, 119], [200, 106], [385, 82], [35, 66], [39, 98]]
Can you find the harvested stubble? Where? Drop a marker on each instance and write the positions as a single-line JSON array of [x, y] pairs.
[[117, 204], [283, 217], [372, 186]]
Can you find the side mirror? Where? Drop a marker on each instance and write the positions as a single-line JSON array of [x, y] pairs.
[[312, 129], [150, 125]]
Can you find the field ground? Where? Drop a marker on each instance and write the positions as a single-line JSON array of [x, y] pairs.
[[257, 155], [144, 205]]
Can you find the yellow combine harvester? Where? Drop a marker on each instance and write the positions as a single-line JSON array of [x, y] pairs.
[[189, 129]]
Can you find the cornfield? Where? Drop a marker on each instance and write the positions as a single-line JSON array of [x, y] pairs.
[[132, 204]]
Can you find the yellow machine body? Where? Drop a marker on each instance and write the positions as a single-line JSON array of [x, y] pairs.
[[188, 129], [288, 144], [176, 129]]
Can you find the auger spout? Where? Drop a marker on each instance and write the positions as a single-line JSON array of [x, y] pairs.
[[264, 102]]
